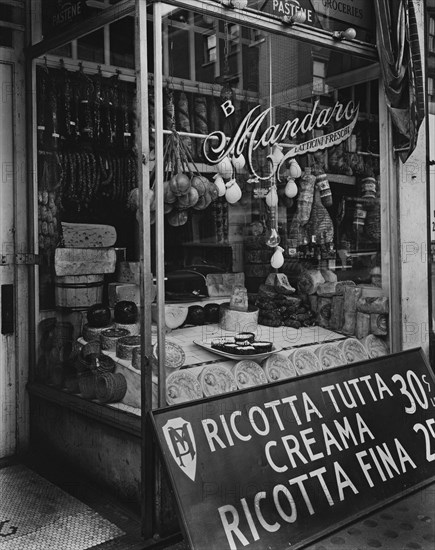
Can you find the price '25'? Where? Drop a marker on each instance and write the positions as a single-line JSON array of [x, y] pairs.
[[428, 433]]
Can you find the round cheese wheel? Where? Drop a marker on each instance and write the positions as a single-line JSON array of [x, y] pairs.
[[182, 386], [353, 351], [248, 374], [278, 367], [110, 336], [330, 356], [174, 355], [376, 347], [126, 345], [305, 361], [94, 333], [133, 328], [217, 379]]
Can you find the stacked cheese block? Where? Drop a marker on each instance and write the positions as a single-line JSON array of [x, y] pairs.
[[343, 306], [120, 336], [126, 286]]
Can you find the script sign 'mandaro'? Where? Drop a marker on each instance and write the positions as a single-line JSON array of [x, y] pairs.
[[251, 134], [286, 463]]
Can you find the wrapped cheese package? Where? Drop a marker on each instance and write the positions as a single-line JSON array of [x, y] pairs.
[[278, 367], [248, 374], [324, 311], [379, 324], [362, 327], [330, 356], [305, 361], [351, 295], [376, 347], [336, 319], [217, 379], [353, 351], [182, 386]]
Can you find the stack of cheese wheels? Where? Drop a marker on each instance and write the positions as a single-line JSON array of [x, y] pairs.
[[330, 356], [126, 345], [126, 317], [305, 361], [182, 386], [133, 328], [248, 374], [94, 333], [353, 351], [99, 319], [217, 379], [278, 367], [376, 347], [110, 337]]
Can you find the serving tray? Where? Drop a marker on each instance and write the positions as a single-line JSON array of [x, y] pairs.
[[237, 356]]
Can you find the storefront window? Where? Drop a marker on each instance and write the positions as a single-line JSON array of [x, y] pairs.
[[271, 208], [272, 222], [87, 224]]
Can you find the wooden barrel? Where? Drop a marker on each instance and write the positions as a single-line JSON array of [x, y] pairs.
[[78, 292]]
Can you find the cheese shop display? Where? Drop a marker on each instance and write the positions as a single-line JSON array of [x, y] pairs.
[[260, 257]]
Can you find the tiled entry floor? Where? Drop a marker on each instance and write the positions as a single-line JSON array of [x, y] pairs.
[[37, 515]]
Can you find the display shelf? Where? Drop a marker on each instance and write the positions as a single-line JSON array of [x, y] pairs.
[[342, 179]]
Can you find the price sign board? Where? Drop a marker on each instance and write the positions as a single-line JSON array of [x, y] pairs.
[[286, 463]]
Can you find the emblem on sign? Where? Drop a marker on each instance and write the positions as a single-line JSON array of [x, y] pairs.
[[181, 443]]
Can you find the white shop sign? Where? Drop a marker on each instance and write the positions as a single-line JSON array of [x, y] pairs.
[[251, 135]]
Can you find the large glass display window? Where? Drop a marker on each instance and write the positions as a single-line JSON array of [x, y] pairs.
[[270, 168], [265, 194], [88, 231]]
